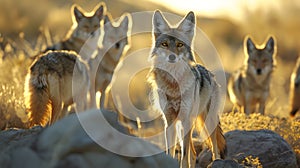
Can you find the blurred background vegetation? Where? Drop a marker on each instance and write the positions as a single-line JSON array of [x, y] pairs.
[[27, 27]]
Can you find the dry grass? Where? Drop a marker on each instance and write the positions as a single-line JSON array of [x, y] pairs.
[[12, 109]]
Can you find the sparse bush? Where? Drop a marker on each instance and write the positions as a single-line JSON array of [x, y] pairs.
[[12, 77], [12, 110]]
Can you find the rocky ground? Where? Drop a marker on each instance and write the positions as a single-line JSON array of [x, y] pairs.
[[262, 148], [67, 144]]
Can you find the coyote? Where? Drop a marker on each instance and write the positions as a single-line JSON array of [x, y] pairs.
[[249, 86], [51, 84], [295, 90], [115, 44], [180, 86], [85, 26]]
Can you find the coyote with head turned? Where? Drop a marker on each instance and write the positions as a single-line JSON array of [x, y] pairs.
[[115, 44], [53, 81], [182, 89], [295, 90], [250, 85], [85, 26]]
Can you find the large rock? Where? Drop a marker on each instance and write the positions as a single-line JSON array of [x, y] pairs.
[[13, 140], [225, 164], [254, 148], [67, 144]]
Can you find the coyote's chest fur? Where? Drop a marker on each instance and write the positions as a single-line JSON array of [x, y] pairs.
[[176, 87], [255, 83]]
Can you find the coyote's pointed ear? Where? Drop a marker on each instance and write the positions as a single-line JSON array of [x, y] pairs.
[[249, 45], [160, 25], [125, 22], [107, 19], [78, 13], [187, 25], [99, 11], [270, 45]]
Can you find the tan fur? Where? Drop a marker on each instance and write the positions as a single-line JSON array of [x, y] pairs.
[[179, 93], [115, 44], [216, 141], [249, 86], [295, 90], [49, 86], [85, 26]]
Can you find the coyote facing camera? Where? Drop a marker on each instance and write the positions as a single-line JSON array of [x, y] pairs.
[[180, 86], [86, 27], [116, 42], [249, 86]]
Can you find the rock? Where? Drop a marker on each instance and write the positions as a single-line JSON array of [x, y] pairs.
[[253, 148], [13, 140], [68, 143], [225, 163]]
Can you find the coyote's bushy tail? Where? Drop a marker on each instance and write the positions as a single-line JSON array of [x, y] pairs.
[[37, 100]]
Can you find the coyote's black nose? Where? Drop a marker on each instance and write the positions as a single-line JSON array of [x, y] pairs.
[[172, 57], [258, 71], [117, 45]]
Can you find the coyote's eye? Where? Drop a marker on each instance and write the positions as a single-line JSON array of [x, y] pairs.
[[164, 44], [265, 61], [179, 45]]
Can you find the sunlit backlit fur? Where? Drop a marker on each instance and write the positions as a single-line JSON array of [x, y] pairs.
[[115, 44], [49, 86], [249, 86], [85, 26], [180, 94], [295, 90]]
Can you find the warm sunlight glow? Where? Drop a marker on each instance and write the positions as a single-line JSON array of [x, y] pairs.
[[200, 5], [210, 8], [233, 9]]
